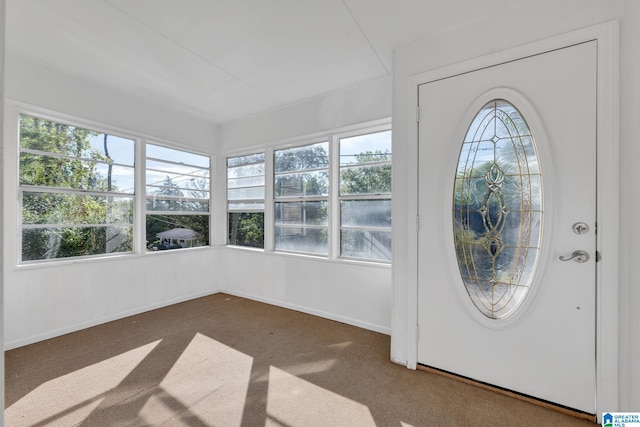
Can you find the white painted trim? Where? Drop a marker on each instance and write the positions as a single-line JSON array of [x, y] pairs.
[[334, 197], [307, 310], [269, 204], [411, 218], [2, 197], [140, 203], [608, 211], [608, 144]]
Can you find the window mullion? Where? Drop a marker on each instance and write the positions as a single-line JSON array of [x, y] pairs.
[[20, 224], [269, 201], [334, 202], [66, 190], [244, 201], [139, 220], [170, 162], [175, 198], [67, 157], [74, 225], [367, 164], [302, 171], [302, 199], [365, 196]]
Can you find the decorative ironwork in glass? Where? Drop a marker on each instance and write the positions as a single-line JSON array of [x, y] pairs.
[[497, 209]]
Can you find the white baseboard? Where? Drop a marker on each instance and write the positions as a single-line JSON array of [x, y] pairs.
[[331, 316], [95, 322], [79, 326]]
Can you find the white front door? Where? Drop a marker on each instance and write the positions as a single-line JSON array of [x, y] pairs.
[[499, 305]]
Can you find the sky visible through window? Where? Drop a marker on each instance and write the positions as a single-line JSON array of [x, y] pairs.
[[351, 147], [121, 152]]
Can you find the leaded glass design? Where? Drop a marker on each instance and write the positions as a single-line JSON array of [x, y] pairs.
[[497, 209]]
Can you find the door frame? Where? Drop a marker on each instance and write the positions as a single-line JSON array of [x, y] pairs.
[[607, 202]]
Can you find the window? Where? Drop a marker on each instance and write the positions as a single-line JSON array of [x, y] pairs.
[[245, 200], [301, 190], [177, 198], [329, 198], [77, 191], [497, 209], [365, 196]]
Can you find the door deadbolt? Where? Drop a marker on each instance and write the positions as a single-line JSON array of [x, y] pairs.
[[580, 228]]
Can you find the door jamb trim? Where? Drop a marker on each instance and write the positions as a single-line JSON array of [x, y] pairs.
[[607, 202]]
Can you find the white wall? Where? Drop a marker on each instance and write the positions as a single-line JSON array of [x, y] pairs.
[[2, 27], [352, 106], [357, 294], [46, 300], [72, 295], [38, 85], [515, 27]]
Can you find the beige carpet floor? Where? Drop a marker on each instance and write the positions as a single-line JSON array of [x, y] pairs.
[[228, 361]]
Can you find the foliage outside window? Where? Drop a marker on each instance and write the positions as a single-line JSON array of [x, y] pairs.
[[365, 196], [177, 198], [77, 191], [245, 198], [301, 189]]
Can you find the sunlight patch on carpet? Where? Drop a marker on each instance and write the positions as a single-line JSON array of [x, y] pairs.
[[289, 393], [82, 391], [207, 371]]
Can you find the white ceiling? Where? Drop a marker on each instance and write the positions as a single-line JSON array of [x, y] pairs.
[[226, 59]]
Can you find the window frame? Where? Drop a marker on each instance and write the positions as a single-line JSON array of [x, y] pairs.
[[249, 200], [21, 189], [339, 198], [302, 199], [15, 110], [333, 198], [144, 196]]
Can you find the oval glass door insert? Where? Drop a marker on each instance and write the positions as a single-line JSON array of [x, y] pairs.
[[497, 209]]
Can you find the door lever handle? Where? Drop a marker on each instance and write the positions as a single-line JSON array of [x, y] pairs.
[[577, 256]]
